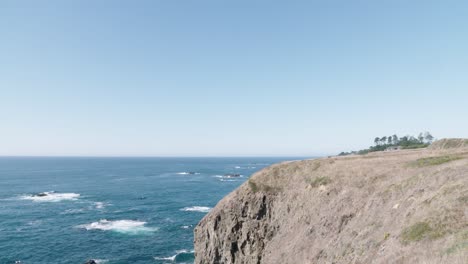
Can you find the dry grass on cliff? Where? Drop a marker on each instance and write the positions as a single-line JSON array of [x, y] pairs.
[[407, 206]]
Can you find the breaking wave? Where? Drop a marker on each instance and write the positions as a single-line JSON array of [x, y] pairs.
[[130, 227], [188, 173], [202, 209], [99, 205], [181, 255], [51, 197]]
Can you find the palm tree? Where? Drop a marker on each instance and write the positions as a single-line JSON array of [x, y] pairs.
[[377, 140]]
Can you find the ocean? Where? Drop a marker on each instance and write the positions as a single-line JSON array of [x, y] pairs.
[[112, 210]]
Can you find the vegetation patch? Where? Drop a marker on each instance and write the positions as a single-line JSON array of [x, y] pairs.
[[458, 247], [420, 231], [319, 181], [391, 143], [432, 161], [253, 186], [416, 146], [461, 244], [386, 236], [463, 199], [256, 187]]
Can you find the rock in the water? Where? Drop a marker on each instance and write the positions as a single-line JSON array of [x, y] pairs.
[[232, 175], [91, 261]]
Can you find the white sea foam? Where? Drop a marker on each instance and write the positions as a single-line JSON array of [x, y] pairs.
[[202, 209], [99, 261], [130, 227], [228, 176], [51, 197], [173, 258], [73, 211], [187, 173], [99, 205], [35, 223], [245, 167]]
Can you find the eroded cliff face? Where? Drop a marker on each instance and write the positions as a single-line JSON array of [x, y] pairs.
[[395, 207], [237, 233]]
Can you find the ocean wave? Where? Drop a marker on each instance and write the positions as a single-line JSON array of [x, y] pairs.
[[188, 173], [99, 205], [244, 167], [130, 227], [99, 261], [227, 180], [179, 254], [202, 209], [229, 176], [35, 223], [166, 258], [51, 197], [73, 211]]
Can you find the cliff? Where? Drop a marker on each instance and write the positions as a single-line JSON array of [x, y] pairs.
[[390, 207]]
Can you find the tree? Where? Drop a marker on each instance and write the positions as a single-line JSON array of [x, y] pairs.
[[377, 140], [428, 137], [389, 140], [421, 137], [395, 139], [384, 140], [403, 141]]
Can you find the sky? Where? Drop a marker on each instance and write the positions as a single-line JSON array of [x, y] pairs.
[[228, 78]]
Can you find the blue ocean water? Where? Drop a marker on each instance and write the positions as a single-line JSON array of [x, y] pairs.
[[114, 210]]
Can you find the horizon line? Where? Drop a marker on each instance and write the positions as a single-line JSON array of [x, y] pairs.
[[136, 156]]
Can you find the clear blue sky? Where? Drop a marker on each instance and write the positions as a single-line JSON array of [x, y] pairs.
[[228, 78]]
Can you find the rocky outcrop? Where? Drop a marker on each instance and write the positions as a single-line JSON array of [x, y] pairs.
[[238, 232], [396, 207]]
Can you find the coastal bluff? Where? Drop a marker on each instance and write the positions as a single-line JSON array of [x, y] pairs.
[[404, 206]]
